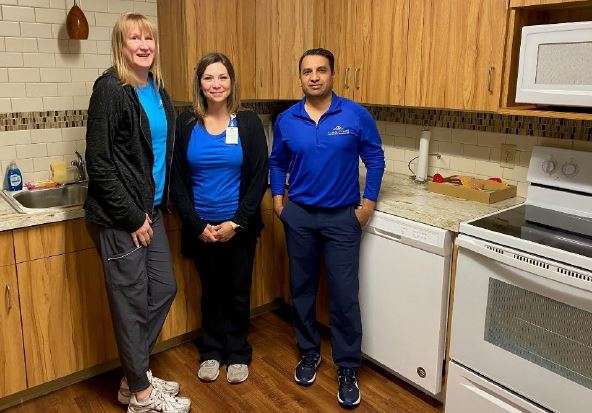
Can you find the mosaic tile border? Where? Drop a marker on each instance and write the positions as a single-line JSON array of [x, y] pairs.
[[482, 121]]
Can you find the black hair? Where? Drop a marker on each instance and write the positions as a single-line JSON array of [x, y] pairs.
[[318, 52]]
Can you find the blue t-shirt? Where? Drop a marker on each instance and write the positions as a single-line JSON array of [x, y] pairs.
[[152, 104], [215, 173]]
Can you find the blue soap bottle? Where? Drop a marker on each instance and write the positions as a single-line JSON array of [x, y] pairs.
[[15, 178]]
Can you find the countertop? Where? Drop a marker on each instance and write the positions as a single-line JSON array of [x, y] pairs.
[[399, 196]]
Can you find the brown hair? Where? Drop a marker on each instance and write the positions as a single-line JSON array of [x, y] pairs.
[[124, 24], [200, 103]]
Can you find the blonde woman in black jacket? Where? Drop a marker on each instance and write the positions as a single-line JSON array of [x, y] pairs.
[[219, 176], [129, 145]]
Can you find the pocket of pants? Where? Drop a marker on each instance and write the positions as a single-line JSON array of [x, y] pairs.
[[355, 218], [124, 262]]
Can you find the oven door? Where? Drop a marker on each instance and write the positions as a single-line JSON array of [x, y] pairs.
[[524, 322]]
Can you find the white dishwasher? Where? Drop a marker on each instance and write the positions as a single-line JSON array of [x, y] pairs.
[[404, 279]]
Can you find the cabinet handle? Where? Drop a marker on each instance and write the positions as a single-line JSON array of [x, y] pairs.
[[490, 76], [345, 83], [7, 298], [357, 78]]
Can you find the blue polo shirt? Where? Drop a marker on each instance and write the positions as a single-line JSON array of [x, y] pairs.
[[322, 159]]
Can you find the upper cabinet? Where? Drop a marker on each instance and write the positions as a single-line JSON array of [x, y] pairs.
[[284, 30], [191, 28], [455, 53], [368, 39]]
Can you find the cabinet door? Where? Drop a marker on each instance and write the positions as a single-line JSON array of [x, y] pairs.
[[229, 27], [12, 355], [333, 24], [455, 53], [284, 31], [266, 283], [380, 32]]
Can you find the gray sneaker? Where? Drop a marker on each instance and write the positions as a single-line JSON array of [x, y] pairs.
[[159, 402], [237, 373], [169, 387], [209, 370]]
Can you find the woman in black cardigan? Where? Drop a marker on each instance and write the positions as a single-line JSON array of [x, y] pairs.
[[219, 176]]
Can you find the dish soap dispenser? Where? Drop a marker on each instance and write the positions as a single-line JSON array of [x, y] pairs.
[[15, 178]]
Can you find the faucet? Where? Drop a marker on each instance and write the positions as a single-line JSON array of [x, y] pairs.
[[80, 166]]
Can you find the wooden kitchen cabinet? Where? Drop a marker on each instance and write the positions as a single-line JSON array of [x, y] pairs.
[[284, 30], [455, 53], [369, 41], [12, 356], [191, 28]]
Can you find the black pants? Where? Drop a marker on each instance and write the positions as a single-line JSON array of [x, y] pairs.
[[141, 288], [226, 270], [335, 233]]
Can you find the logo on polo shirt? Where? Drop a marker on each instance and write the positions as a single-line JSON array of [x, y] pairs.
[[339, 130]]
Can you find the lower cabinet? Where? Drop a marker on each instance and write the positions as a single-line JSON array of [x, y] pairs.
[[12, 356]]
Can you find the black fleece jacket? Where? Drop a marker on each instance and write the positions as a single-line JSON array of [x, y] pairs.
[[253, 181], [119, 155]]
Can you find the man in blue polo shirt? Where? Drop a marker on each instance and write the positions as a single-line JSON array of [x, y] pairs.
[[318, 143]]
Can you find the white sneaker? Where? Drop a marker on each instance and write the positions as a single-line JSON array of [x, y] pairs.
[[209, 370], [237, 373], [169, 387], [159, 402]]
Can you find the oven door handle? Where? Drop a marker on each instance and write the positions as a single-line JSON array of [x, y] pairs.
[[564, 274]]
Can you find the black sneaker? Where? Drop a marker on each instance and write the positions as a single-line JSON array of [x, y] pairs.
[[306, 370], [349, 391]]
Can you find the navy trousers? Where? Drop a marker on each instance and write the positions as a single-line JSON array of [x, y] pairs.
[[335, 233]]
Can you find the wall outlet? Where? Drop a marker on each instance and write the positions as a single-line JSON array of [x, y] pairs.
[[509, 156]]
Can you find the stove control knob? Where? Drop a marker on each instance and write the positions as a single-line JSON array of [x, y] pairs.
[[549, 166], [569, 169]]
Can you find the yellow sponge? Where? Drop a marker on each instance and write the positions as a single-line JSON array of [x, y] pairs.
[[58, 171]]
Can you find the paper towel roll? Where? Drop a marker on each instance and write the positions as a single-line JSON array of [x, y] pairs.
[[58, 171], [422, 164]]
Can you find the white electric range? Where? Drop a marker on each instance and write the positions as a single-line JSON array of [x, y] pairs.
[[522, 313]]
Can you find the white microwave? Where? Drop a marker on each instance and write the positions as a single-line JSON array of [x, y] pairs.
[[555, 66]]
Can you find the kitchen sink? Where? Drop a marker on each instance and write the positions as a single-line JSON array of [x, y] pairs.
[[32, 201]]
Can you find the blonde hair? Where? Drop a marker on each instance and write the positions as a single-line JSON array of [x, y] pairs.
[[200, 103], [125, 23]]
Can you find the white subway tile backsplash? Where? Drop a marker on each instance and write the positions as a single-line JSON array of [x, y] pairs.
[[405, 142], [491, 139], [37, 176], [97, 61], [99, 33], [12, 90], [50, 15], [20, 137], [451, 148], [20, 44], [34, 3], [465, 165], [2, 45], [442, 134], [69, 60], [38, 60], [104, 47], [25, 165], [58, 103], [11, 2], [18, 14], [517, 173], [106, 19], [5, 105], [59, 31], [524, 158], [522, 142], [34, 150], [3, 75], [81, 102], [9, 28], [120, 6], [53, 45], [84, 75], [95, 5], [46, 135], [495, 154], [7, 153], [147, 9], [387, 140], [490, 169], [582, 146], [23, 74], [42, 30], [72, 89], [9, 59], [26, 104], [73, 134], [42, 89], [82, 46], [42, 164], [464, 136], [395, 129], [61, 148], [58, 4], [475, 152], [413, 131], [557, 143], [55, 75]]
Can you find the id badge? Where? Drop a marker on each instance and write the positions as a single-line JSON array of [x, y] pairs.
[[231, 135]]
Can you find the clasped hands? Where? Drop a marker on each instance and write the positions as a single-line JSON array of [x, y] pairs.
[[218, 233]]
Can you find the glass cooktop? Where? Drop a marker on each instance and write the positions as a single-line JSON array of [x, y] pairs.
[[543, 226]]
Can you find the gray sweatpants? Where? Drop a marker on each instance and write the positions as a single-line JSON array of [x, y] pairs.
[[141, 288]]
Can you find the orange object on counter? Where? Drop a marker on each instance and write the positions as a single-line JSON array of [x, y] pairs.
[[32, 186]]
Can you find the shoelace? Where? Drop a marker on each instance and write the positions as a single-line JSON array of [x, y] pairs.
[[209, 363], [309, 361], [165, 401], [347, 375]]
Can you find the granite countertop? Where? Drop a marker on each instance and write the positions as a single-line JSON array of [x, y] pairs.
[[399, 196], [403, 197]]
